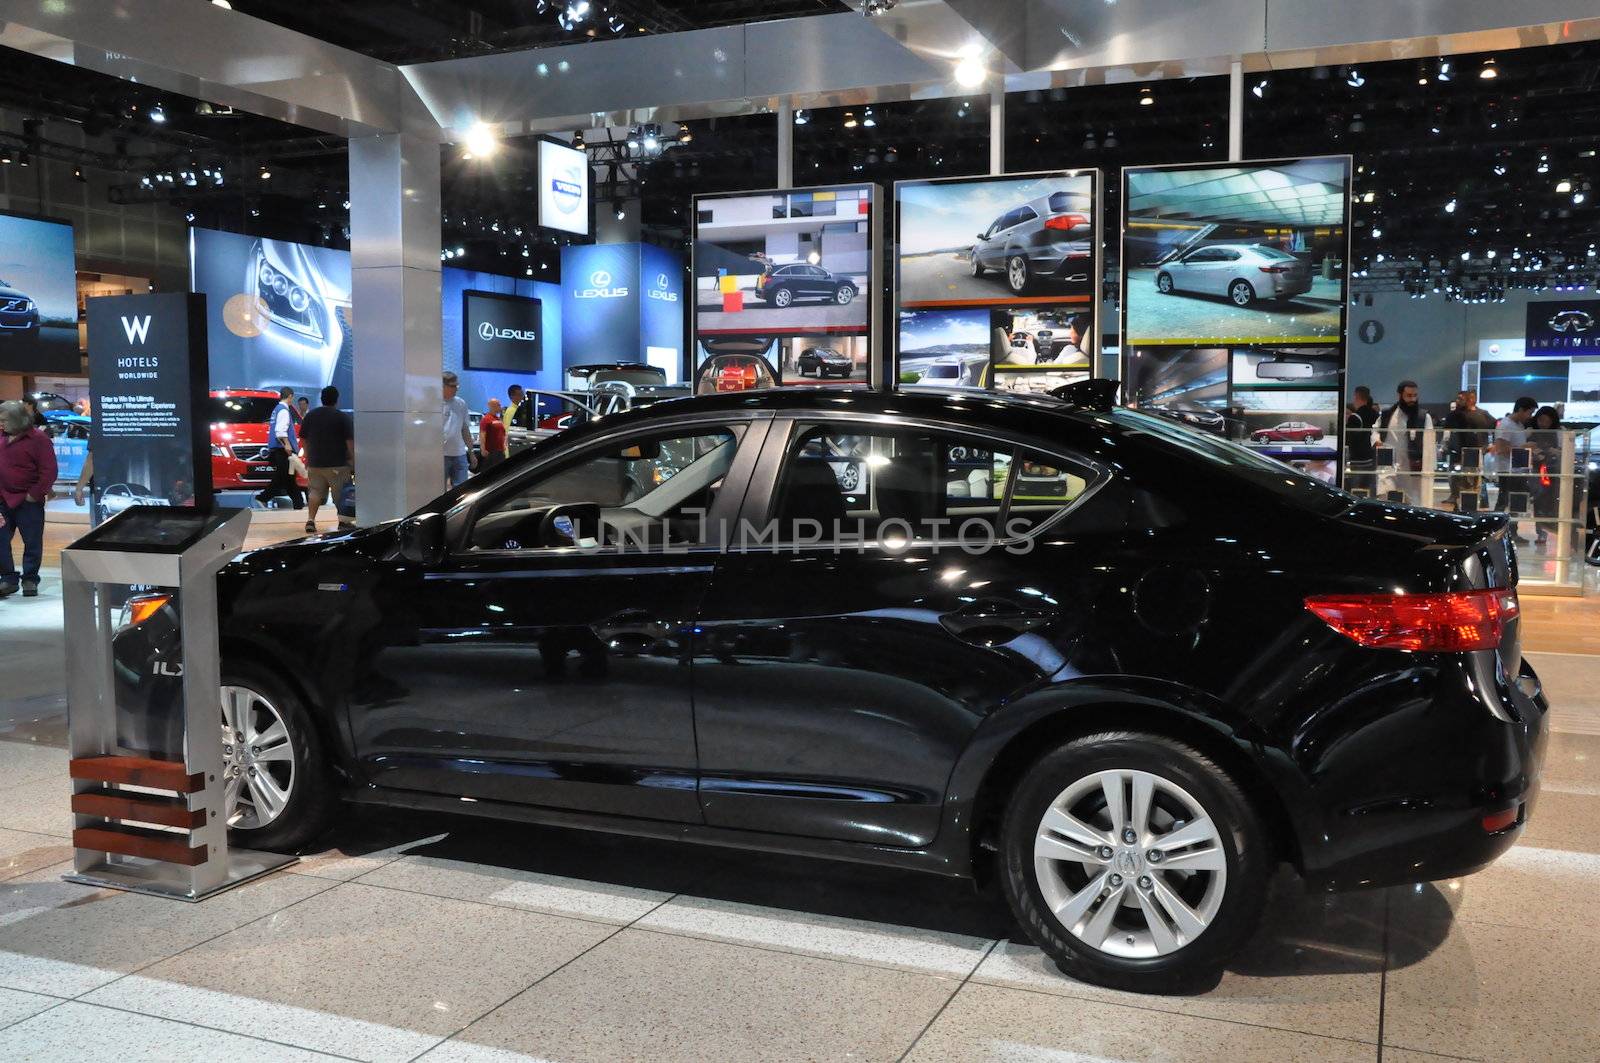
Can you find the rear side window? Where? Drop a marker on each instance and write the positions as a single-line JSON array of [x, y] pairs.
[[879, 484]]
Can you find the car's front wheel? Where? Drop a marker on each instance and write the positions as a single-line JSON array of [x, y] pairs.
[[1018, 274], [1164, 283], [844, 295], [1134, 861], [278, 787], [977, 264]]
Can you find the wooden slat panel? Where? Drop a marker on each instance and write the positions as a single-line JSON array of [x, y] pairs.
[[141, 808], [132, 841], [138, 771]]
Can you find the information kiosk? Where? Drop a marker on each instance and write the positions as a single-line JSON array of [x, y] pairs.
[[145, 730]]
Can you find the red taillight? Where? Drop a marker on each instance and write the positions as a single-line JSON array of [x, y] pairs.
[[740, 377], [1495, 822], [1274, 269], [1065, 222], [1428, 623]]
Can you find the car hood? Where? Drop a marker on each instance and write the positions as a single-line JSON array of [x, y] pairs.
[[250, 432], [8, 292]]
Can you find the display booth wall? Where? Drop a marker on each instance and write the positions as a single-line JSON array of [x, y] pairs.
[[623, 303], [480, 385]]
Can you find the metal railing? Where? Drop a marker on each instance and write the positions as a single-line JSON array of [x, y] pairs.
[[1540, 478]]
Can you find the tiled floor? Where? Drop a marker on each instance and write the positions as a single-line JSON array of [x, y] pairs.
[[461, 941]]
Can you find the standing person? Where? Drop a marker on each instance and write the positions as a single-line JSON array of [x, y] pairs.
[[33, 411], [1544, 438], [1511, 434], [458, 459], [27, 473], [330, 439], [1360, 416], [1403, 427], [1471, 428], [519, 414], [283, 442], [492, 446], [302, 406]]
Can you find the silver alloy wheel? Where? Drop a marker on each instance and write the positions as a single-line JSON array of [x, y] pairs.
[[782, 298], [1241, 292], [844, 296], [257, 759], [1130, 863], [1017, 273]]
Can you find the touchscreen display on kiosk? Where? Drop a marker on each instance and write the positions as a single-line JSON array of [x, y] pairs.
[[152, 529]]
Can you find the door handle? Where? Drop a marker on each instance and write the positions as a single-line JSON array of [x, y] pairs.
[[991, 620]]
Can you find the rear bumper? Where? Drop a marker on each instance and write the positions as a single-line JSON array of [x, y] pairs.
[[1449, 784]]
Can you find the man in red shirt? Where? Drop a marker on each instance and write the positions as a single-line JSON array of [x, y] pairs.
[[27, 472], [491, 437]]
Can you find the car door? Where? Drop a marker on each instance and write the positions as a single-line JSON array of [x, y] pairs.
[[836, 684], [521, 670]]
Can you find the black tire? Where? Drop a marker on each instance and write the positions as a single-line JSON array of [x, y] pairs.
[[1164, 283], [1243, 842], [1241, 293], [314, 796], [977, 265]]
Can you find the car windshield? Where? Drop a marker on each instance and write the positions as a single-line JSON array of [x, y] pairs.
[[1283, 480], [240, 409], [942, 372]]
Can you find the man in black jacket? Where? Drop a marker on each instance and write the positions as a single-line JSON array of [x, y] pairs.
[[1359, 418]]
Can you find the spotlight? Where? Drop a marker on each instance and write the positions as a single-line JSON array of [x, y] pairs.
[[1260, 89], [615, 23], [1563, 185], [850, 120], [1489, 70], [578, 141], [480, 141], [77, 175], [685, 134], [1578, 197], [1089, 141], [1377, 234], [874, 8], [1354, 79], [970, 71], [802, 116], [1444, 70], [867, 120], [1111, 139], [1146, 97], [158, 114], [1450, 207], [620, 211], [265, 174]]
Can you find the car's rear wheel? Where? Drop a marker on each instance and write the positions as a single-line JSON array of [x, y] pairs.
[[1018, 274], [1241, 293], [977, 264], [782, 298], [1134, 861], [1164, 283], [278, 788]]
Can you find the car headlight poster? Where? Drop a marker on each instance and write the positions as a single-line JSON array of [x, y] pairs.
[[997, 280], [785, 287], [1234, 288]]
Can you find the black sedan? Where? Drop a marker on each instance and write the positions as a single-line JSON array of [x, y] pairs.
[[824, 362], [1122, 666], [782, 286]]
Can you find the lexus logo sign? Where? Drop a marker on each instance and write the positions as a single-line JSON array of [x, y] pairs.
[[600, 287], [487, 331], [662, 292]]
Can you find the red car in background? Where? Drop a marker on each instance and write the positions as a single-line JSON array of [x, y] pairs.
[[239, 420], [1287, 432]]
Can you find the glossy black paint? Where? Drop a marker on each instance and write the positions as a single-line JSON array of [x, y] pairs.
[[838, 704]]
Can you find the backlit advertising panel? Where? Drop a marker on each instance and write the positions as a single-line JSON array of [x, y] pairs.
[[1565, 327], [501, 332], [1011, 265], [784, 287], [564, 180], [38, 296]]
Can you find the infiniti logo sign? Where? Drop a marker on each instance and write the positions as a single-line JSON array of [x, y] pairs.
[[600, 287], [661, 292], [487, 331]]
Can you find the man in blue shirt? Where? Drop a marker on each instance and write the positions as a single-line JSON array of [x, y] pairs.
[[458, 456]]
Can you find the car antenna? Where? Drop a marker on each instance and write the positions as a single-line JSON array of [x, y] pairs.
[[1098, 394]]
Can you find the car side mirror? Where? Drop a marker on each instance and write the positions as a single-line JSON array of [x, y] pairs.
[[422, 538]]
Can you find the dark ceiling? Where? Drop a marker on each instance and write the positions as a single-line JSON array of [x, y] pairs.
[[415, 31]]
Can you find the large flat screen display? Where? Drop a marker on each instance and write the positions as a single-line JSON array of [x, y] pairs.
[[502, 332], [1236, 253], [1569, 327], [563, 188], [784, 286], [1010, 264], [278, 313], [38, 296]]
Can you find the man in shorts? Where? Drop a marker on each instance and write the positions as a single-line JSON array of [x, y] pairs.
[[329, 438]]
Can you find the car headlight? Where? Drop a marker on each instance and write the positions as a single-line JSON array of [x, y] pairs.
[[288, 302], [218, 451]]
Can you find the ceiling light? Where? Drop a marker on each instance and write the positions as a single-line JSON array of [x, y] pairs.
[[802, 116], [620, 211], [1354, 79], [1578, 197], [867, 120], [1377, 233], [685, 134], [970, 71], [1544, 164], [158, 114], [874, 8], [1111, 139], [1146, 97], [1563, 185], [1444, 70], [850, 120], [577, 140], [1260, 89], [1450, 207], [615, 23], [1489, 70], [481, 141], [1089, 143], [266, 174]]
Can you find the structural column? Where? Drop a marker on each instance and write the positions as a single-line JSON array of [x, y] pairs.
[[394, 244], [785, 143], [997, 124], [1236, 111]]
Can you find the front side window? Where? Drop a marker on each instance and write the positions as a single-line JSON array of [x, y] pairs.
[[644, 492], [864, 484]]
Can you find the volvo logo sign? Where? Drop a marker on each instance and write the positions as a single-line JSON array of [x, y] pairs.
[[600, 287], [487, 331], [566, 190], [662, 291]]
